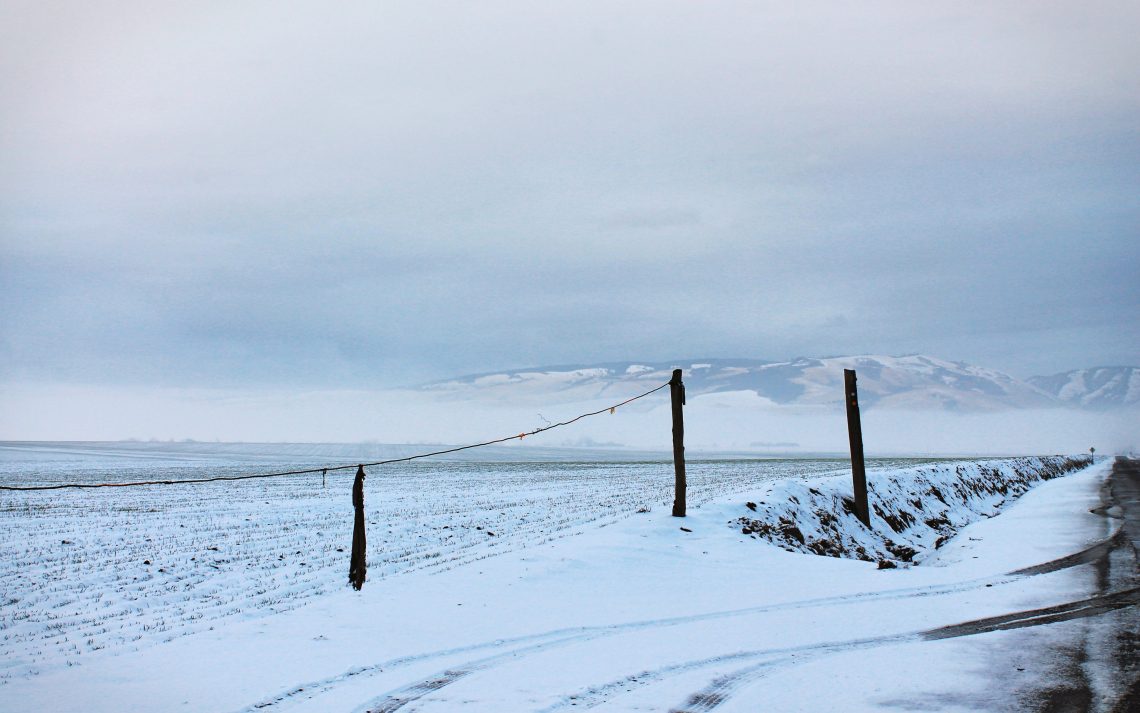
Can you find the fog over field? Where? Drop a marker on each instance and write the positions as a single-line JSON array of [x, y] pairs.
[[232, 203], [915, 405], [717, 422]]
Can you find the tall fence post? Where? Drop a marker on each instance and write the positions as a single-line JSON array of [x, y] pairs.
[[855, 436], [358, 562], [677, 394]]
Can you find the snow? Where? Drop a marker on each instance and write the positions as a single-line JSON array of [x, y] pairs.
[[577, 601], [101, 570], [1099, 387], [912, 511], [907, 382]]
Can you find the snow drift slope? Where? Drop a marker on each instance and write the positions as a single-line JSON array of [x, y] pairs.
[[913, 511]]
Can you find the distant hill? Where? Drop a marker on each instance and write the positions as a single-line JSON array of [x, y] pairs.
[[914, 382], [1102, 387]]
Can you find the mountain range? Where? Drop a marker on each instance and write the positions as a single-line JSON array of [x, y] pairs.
[[917, 382]]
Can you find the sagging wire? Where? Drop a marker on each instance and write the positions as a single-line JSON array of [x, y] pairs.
[[327, 469]]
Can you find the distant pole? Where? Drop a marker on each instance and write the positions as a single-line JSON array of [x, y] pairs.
[[677, 394], [855, 436]]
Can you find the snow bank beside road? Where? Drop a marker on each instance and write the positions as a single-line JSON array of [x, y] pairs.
[[913, 510]]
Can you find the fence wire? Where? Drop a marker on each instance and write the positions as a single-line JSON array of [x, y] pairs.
[[333, 468]]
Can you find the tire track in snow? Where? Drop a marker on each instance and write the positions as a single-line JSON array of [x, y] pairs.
[[308, 691], [597, 695], [721, 689], [1089, 555], [396, 699]]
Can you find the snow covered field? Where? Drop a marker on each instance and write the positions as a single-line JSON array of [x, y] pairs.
[[91, 570], [232, 596]]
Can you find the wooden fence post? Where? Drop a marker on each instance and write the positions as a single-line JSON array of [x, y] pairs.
[[677, 394], [358, 561], [855, 436]]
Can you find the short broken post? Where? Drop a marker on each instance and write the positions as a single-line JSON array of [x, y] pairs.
[[855, 436], [358, 564], [677, 394]]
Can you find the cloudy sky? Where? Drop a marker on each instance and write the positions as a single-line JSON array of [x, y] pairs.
[[359, 195]]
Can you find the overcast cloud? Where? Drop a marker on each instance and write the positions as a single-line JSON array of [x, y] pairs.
[[353, 195]]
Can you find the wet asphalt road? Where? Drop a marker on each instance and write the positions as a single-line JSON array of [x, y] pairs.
[[1124, 490]]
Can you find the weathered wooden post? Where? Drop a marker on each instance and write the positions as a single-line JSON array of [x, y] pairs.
[[358, 561], [855, 436], [677, 394]]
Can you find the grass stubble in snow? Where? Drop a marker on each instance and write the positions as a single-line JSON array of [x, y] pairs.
[[153, 565], [89, 570]]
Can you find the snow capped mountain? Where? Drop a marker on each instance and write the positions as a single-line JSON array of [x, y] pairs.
[[915, 382], [903, 382], [1098, 388]]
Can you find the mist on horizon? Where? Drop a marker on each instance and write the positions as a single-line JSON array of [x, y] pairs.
[[227, 221]]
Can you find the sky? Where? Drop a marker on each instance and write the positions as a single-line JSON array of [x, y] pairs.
[[292, 196]]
